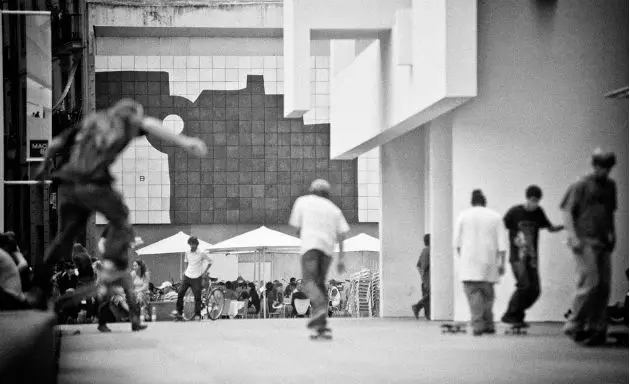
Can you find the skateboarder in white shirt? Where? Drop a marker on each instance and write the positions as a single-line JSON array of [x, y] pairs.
[[320, 224], [192, 278]]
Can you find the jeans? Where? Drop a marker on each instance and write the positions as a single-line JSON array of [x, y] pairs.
[[480, 295], [527, 290], [195, 285], [315, 264], [593, 277], [425, 302], [76, 203]]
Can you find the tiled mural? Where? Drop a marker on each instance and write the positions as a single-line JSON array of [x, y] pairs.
[[258, 161]]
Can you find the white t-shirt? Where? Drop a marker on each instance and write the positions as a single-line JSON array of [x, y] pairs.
[[320, 223], [196, 263], [479, 233]]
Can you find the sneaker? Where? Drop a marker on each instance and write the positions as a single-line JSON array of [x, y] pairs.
[[177, 316], [489, 331], [104, 328], [196, 318], [511, 320], [595, 339], [138, 327], [416, 311], [575, 332], [478, 333]]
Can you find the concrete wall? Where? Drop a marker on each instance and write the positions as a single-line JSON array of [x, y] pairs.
[[543, 71]]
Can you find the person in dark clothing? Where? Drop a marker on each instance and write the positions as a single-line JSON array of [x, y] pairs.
[[589, 208], [424, 262], [254, 298], [85, 186], [523, 222], [290, 287], [299, 294], [83, 264]]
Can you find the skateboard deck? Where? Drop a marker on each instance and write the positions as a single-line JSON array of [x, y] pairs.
[[322, 334], [453, 328], [517, 329]]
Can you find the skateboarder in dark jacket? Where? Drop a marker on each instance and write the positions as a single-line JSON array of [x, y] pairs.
[[85, 185]]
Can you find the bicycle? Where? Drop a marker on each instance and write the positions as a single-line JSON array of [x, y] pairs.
[[212, 301]]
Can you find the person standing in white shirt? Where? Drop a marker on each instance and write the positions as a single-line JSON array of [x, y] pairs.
[[320, 224], [192, 278], [480, 241]]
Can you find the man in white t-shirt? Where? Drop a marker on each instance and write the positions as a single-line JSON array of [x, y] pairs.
[[192, 278], [479, 238], [320, 224]]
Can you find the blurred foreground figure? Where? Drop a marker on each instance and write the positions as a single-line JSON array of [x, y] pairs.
[[589, 216], [85, 187]]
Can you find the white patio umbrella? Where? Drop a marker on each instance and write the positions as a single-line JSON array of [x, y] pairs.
[[361, 243], [364, 249], [258, 241]]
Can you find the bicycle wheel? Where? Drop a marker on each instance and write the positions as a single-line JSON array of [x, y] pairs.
[[189, 305], [214, 304]]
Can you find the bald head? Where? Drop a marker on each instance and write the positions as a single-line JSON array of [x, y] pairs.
[[320, 187]]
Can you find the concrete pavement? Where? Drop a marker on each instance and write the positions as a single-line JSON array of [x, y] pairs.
[[363, 351]]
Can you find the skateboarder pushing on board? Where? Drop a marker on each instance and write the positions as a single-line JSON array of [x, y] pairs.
[[320, 224], [85, 186]]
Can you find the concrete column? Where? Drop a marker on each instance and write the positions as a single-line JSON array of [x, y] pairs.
[[402, 221], [440, 215]]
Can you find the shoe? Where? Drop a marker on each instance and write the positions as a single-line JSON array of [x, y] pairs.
[[416, 311], [489, 331], [138, 327], [196, 318], [595, 339], [478, 333], [177, 316], [511, 320], [103, 328], [575, 332]]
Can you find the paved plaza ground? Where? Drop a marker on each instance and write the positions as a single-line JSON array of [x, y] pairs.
[[363, 351]]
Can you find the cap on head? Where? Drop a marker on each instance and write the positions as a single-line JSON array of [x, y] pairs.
[[604, 159]]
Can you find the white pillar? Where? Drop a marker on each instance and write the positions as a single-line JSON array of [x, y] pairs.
[[402, 221], [440, 215], [342, 53]]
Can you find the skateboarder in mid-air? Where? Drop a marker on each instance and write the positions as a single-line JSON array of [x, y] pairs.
[[85, 186]]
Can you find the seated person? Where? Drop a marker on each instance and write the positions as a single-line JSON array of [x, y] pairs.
[[11, 295], [254, 299], [141, 279], [298, 294], [229, 294], [68, 278], [243, 292], [86, 276], [288, 291]]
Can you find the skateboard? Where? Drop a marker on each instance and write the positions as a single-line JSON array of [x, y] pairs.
[[453, 328], [322, 334], [517, 329]]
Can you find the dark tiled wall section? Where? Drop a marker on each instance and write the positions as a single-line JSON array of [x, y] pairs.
[[258, 162]]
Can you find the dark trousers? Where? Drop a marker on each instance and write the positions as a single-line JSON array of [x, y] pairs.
[[195, 285], [315, 264], [527, 290], [480, 295], [593, 286], [425, 302], [77, 202]]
